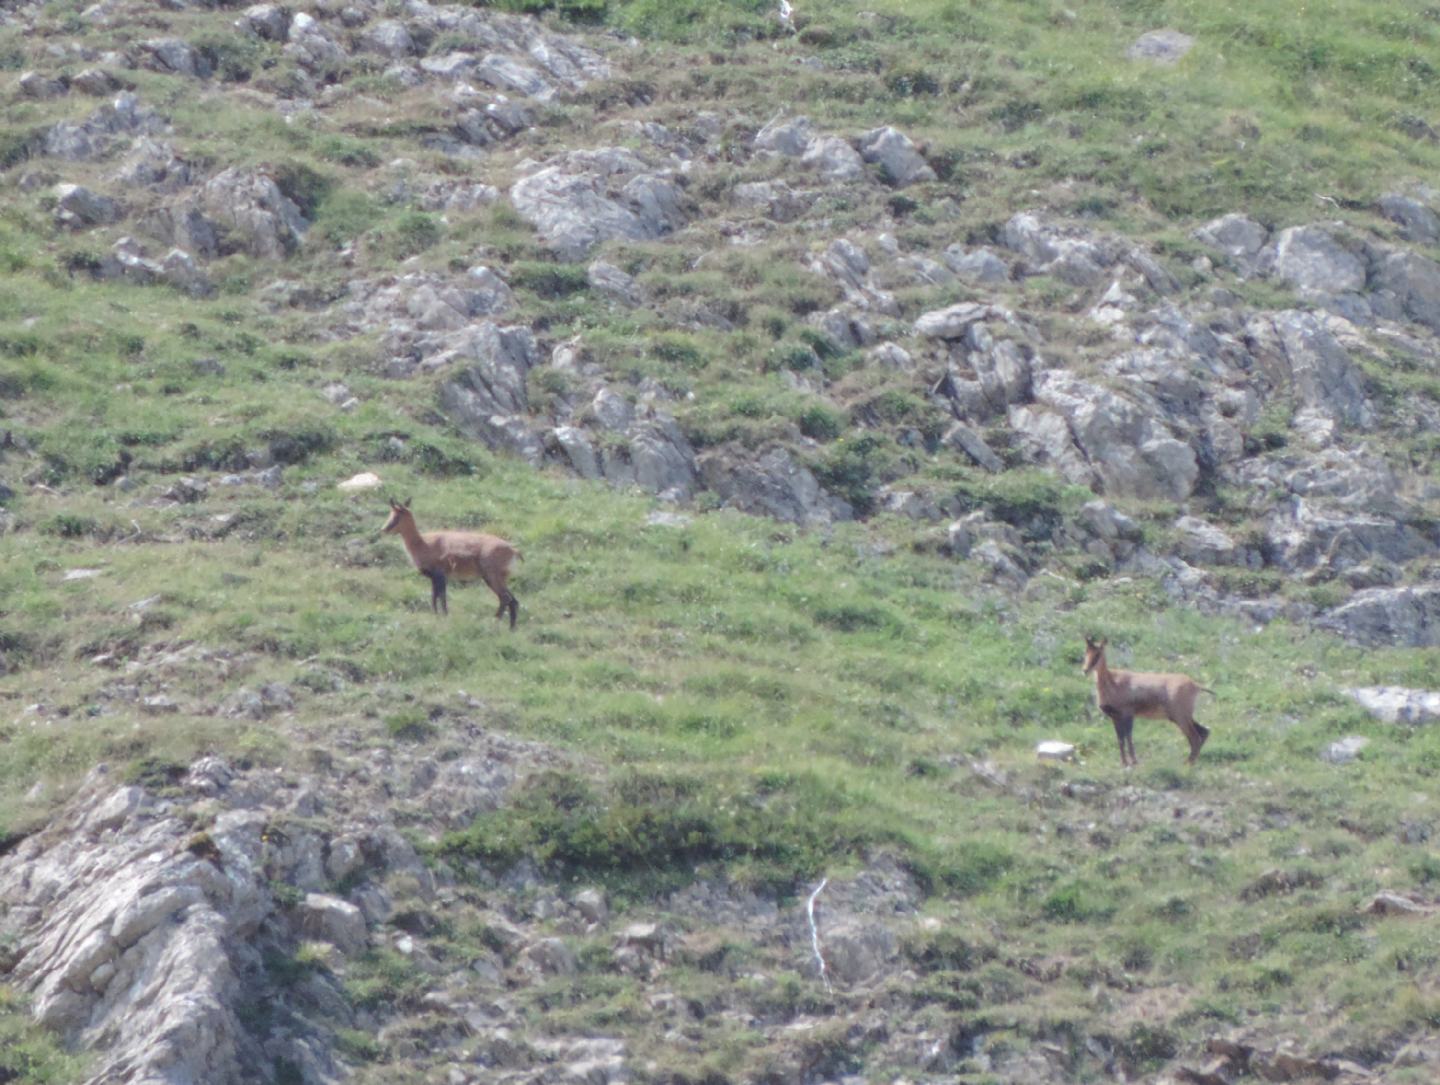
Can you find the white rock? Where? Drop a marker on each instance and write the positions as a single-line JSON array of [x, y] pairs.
[[1345, 751], [366, 480], [1053, 750]]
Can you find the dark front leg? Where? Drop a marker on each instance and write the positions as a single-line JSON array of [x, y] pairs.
[[1121, 731], [513, 605], [437, 593]]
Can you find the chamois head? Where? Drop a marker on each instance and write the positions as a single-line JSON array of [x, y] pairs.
[[1094, 653], [398, 513]]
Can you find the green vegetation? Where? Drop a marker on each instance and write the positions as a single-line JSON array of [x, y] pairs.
[[743, 700]]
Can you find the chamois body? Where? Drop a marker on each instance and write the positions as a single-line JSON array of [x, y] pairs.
[[460, 555], [1123, 695]]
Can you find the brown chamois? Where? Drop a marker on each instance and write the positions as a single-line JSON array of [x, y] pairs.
[[1123, 695], [464, 555]]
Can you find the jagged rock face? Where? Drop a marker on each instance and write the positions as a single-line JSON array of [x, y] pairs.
[[1408, 617], [587, 197], [128, 937], [254, 214]]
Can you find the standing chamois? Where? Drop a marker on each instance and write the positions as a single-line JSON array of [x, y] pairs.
[[464, 555], [1123, 695]]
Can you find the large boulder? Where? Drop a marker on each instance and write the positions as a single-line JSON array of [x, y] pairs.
[[1301, 353], [254, 215], [900, 163], [1311, 260], [1405, 617], [1239, 238], [1104, 438], [586, 197], [1415, 221], [77, 207], [774, 484], [1406, 286], [1396, 704]]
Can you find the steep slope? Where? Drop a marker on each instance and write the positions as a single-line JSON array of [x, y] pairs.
[[835, 376]]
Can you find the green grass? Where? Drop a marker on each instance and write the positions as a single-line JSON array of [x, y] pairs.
[[749, 701]]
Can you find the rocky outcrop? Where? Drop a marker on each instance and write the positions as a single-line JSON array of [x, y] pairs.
[[252, 214], [776, 484], [1402, 617], [586, 197]]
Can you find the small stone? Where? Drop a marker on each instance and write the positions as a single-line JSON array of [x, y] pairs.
[[1345, 751], [1053, 750]]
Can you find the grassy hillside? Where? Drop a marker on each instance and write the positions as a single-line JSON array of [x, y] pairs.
[[755, 702]]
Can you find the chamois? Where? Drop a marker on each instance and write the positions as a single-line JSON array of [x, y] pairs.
[[1123, 695], [464, 555]]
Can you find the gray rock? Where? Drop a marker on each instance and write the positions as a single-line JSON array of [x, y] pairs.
[[1408, 617], [612, 411], [1411, 283], [551, 957], [178, 268], [834, 159], [487, 294], [77, 207], [893, 151], [389, 38], [1345, 750], [155, 165], [1416, 221], [96, 135], [509, 74], [592, 905], [976, 265], [35, 85], [790, 138], [775, 199], [176, 56], [1396, 704], [1302, 537], [452, 66], [333, 920], [310, 44], [1102, 437], [574, 203], [656, 457], [964, 439], [1311, 260], [494, 382], [1241, 239], [609, 280], [1300, 352], [1160, 46], [94, 81], [954, 321], [255, 215], [1202, 543], [578, 451], [775, 484], [268, 21]]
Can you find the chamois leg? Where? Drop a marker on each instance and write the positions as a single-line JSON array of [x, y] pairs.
[[507, 599], [1124, 724], [438, 602], [1201, 733]]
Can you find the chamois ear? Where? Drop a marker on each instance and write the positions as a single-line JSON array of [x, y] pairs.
[[406, 504], [1103, 641]]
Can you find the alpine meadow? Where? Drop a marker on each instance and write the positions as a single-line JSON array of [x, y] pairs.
[[897, 403]]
